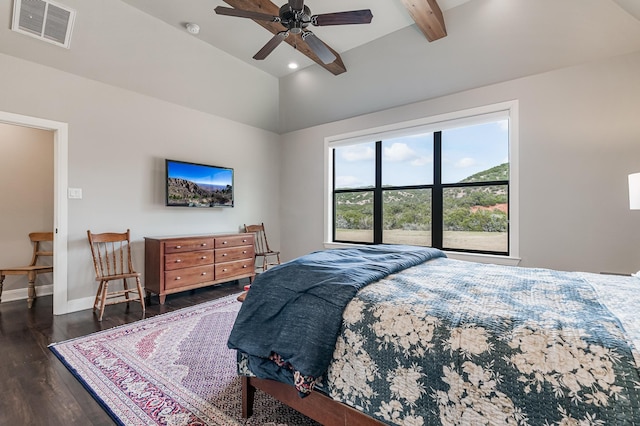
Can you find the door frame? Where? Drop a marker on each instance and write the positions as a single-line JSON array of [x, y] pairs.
[[60, 202]]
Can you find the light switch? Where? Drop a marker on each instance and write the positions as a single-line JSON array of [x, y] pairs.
[[75, 193]]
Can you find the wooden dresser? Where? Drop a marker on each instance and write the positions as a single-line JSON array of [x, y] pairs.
[[174, 264]]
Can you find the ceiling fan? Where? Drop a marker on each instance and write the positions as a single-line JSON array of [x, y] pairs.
[[295, 17]]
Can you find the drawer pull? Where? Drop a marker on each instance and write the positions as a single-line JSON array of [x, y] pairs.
[[244, 252], [224, 255], [178, 278], [244, 241], [178, 260], [204, 273], [178, 247], [244, 266], [203, 257], [203, 244], [224, 242], [224, 270]]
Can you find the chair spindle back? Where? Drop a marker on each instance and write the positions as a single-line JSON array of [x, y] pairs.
[[260, 240], [111, 253]]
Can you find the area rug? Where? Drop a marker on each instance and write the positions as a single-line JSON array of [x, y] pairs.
[[171, 369]]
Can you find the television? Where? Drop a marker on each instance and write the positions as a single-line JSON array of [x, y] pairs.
[[198, 185]]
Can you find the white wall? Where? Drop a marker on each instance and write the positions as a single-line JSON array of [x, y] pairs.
[[117, 44], [579, 138], [26, 190], [118, 141]]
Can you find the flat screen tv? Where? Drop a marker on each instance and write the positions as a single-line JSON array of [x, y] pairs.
[[198, 185]]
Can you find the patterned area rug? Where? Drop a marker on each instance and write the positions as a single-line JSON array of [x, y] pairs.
[[171, 369]]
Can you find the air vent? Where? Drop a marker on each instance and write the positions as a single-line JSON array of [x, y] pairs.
[[44, 20]]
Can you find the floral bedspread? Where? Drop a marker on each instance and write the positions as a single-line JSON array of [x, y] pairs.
[[293, 313], [459, 343]]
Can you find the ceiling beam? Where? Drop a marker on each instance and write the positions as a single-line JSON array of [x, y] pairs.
[[428, 17], [266, 6]]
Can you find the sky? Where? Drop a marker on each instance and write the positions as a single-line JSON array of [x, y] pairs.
[[408, 160], [198, 173]]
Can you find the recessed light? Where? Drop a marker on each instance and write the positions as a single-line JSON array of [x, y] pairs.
[[193, 28], [293, 65]]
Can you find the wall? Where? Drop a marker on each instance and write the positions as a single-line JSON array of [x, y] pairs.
[[579, 139], [118, 141], [117, 44], [26, 188]]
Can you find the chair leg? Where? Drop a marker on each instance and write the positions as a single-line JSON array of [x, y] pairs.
[[31, 292], [105, 289], [98, 295], [1, 281], [139, 285], [264, 263], [126, 288]]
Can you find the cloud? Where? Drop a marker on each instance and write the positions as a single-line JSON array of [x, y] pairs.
[[399, 152], [465, 162], [357, 153], [421, 161], [348, 182]]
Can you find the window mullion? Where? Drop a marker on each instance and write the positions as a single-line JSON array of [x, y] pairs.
[[436, 196], [377, 197], [333, 202]]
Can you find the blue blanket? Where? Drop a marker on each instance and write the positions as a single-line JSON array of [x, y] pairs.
[[295, 309]]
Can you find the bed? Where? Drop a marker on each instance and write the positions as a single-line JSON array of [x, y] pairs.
[[406, 336]]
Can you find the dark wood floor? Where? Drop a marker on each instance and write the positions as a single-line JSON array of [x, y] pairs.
[[35, 388]]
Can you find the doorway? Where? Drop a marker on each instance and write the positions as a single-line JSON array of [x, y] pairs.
[[60, 205]]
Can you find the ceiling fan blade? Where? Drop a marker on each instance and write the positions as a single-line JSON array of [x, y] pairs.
[[319, 48], [296, 4], [271, 44], [229, 11], [343, 18]]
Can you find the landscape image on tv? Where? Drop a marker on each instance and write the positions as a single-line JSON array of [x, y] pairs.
[[198, 185]]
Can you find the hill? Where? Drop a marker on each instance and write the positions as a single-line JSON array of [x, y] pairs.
[[500, 172], [480, 209], [182, 192]]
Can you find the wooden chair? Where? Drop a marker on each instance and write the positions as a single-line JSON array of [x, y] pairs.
[[262, 246], [112, 261], [33, 269]]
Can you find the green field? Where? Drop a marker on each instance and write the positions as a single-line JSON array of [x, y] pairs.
[[485, 241]]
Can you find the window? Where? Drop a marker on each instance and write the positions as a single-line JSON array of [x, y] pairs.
[[445, 184]]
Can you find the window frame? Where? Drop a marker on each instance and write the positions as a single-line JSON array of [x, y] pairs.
[[437, 123]]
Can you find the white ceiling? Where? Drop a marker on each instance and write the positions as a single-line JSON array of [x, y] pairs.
[[120, 43], [242, 37]]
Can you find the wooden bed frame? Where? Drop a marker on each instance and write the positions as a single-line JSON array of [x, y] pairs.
[[316, 405]]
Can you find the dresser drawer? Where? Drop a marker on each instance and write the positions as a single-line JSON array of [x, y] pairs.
[[188, 244], [188, 259], [231, 269], [234, 241], [234, 253], [188, 276]]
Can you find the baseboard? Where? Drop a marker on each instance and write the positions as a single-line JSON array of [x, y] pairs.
[[80, 304], [47, 290], [22, 293]]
